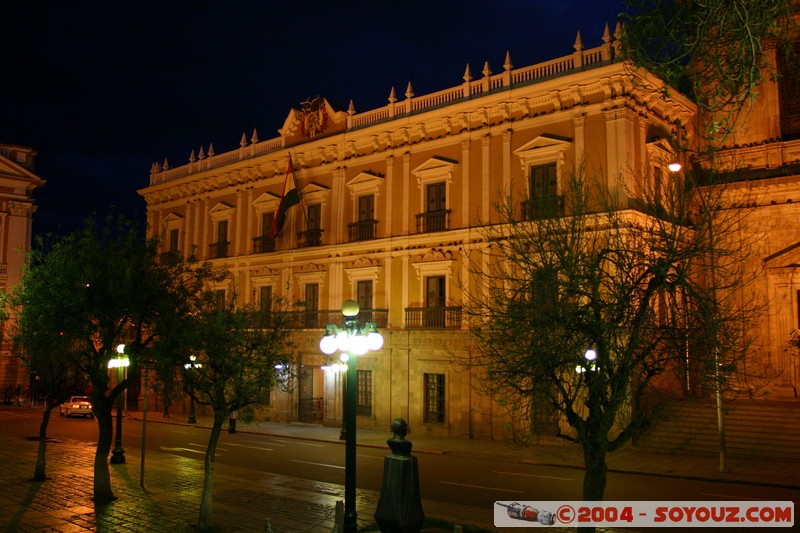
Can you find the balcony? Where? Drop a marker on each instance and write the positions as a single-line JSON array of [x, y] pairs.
[[433, 317], [218, 250], [309, 238], [539, 208], [432, 221], [170, 258], [318, 319], [263, 244], [363, 230]]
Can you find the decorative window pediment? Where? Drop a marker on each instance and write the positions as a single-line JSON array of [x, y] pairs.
[[310, 273], [172, 221], [435, 169], [434, 263], [365, 183], [266, 202], [315, 193], [263, 277], [545, 148], [221, 211], [789, 257], [661, 152], [363, 269]]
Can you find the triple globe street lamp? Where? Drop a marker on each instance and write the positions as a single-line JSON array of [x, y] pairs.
[[352, 340]]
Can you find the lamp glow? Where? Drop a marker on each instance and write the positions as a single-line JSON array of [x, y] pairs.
[[374, 341], [674, 167], [327, 344]]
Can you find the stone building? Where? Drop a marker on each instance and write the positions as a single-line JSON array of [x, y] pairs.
[[393, 202], [17, 183]]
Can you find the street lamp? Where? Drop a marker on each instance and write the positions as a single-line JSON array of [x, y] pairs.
[[591, 356], [119, 362], [187, 366], [352, 340]]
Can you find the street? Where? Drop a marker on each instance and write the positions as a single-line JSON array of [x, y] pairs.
[[477, 482]]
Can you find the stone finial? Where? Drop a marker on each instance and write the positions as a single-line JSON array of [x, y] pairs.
[[578, 43], [398, 443], [166, 164], [211, 150], [192, 157], [202, 154], [351, 109], [606, 35], [507, 64], [467, 74], [392, 96], [243, 141], [254, 138], [409, 91], [487, 70]]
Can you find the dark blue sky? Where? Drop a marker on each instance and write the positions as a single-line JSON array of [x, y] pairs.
[[103, 89]]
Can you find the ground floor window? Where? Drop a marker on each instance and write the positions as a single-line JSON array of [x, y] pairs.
[[434, 399], [364, 396]]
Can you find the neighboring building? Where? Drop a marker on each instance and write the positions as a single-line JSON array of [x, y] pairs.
[[17, 183], [394, 200]]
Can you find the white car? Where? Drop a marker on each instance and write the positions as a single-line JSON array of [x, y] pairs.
[[77, 405]]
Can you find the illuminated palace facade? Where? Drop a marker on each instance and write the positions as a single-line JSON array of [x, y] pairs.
[[18, 180], [393, 203]]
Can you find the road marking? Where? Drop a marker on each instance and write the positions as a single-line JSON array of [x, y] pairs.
[[303, 443], [260, 441], [219, 448], [253, 447], [480, 487], [318, 464], [533, 475], [165, 449]]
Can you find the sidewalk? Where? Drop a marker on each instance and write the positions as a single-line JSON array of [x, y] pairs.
[[173, 484]]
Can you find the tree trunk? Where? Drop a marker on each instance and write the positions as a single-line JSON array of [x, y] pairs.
[[594, 477], [102, 476], [206, 522], [40, 470]]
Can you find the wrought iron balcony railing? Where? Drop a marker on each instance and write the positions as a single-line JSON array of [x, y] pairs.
[[432, 221], [308, 238], [433, 317], [263, 244], [218, 250], [539, 208], [363, 230]]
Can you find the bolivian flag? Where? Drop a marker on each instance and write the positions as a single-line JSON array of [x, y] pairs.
[[290, 197]]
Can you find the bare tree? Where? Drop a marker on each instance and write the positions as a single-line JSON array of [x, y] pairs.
[[587, 312]]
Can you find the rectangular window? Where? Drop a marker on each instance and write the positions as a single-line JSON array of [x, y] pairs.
[[364, 395], [265, 305], [220, 297], [173, 240], [314, 212], [434, 399], [266, 222], [220, 247], [364, 228], [436, 207], [543, 200], [312, 305], [364, 294], [434, 301]]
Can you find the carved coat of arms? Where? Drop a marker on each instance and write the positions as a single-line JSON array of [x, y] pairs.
[[314, 117]]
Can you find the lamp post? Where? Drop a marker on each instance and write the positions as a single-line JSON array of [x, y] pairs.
[[119, 362], [192, 364], [353, 340]]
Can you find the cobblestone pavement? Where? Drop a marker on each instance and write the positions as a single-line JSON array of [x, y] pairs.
[[170, 500]]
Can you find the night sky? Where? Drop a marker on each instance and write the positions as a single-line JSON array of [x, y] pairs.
[[101, 90]]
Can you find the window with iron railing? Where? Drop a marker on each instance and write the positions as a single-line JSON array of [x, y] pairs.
[[439, 317], [540, 208], [364, 393], [263, 244], [363, 230], [218, 250], [432, 221], [308, 238], [434, 399]]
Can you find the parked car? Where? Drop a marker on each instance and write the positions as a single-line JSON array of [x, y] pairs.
[[77, 405]]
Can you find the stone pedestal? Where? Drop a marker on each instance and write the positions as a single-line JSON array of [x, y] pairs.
[[400, 506]]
